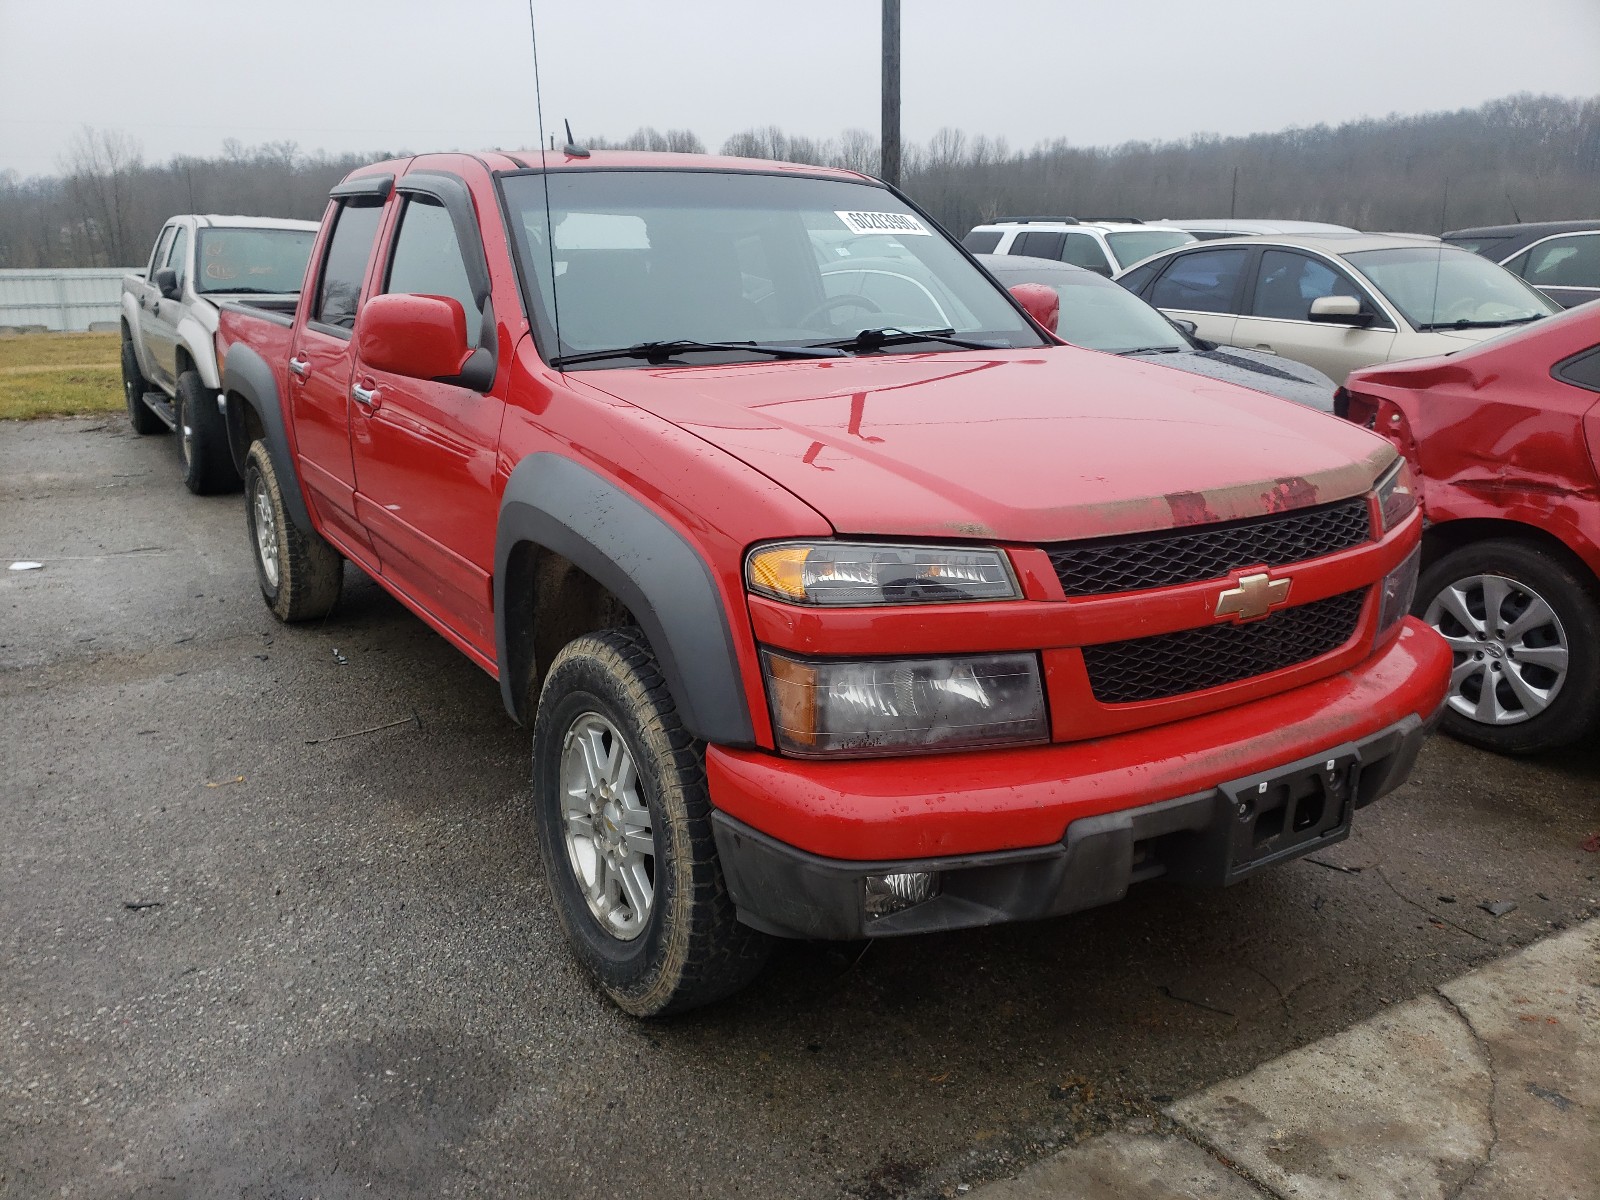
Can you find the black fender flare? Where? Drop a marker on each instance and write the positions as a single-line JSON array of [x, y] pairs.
[[563, 507], [246, 374]]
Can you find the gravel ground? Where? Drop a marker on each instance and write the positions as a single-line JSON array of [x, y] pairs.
[[243, 954]]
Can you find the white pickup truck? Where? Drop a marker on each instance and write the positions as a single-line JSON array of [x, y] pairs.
[[169, 324]]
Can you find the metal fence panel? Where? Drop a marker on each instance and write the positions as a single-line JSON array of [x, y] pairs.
[[64, 298]]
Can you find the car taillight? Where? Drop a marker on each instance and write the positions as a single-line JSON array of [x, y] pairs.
[[1353, 406]]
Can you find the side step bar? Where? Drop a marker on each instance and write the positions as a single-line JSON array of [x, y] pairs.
[[158, 403]]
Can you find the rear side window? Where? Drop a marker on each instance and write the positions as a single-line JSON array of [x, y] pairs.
[[1081, 250], [178, 256], [345, 266], [1205, 281], [1581, 370], [1565, 262], [1038, 243], [1287, 283], [427, 261], [982, 241]]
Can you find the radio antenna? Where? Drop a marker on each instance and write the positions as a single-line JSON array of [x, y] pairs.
[[544, 172]]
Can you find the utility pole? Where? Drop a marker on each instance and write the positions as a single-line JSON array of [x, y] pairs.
[[1233, 201], [889, 165]]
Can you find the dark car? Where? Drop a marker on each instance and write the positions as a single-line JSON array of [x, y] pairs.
[[1560, 258], [1100, 315], [1502, 443]]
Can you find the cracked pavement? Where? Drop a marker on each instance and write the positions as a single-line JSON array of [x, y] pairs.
[[339, 974]]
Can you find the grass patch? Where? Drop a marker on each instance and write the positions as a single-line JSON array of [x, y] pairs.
[[59, 374]]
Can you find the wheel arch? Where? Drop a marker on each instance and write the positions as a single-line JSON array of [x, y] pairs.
[[1448, 536], [567, 536], [254, 412]]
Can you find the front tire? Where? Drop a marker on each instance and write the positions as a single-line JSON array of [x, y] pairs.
[[134, 386], [1525, 632], [203, 439], [300, 574], [624, 824]]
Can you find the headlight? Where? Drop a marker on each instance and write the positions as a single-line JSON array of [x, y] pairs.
[[842, 574], [1399, 590], [1397, 494], [898, 706]]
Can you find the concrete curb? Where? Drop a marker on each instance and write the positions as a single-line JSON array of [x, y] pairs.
[[1488, 1087]]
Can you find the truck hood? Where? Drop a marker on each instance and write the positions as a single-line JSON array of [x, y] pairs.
[[1015, 445]]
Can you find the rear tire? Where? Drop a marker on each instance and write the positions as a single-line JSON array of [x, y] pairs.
[[300, 574], [134, 386], [1525, 630], [203, 439], [625, 833]]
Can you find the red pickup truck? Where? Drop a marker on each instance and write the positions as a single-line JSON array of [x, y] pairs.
[[843, 600]]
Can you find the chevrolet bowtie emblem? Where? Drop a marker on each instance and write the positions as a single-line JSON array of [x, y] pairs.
[[1254, 598]]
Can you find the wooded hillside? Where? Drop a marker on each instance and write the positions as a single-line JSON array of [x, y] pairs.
[[1533, 157]]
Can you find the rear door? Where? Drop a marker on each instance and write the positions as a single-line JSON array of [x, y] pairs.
[[321, 361], [1206, 287], [425, 451], [1277, 318]]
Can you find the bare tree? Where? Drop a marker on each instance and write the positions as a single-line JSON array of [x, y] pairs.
[[100, 166]]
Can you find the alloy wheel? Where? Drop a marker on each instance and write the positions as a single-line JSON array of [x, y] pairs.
[[607, 827], [1510, 648]]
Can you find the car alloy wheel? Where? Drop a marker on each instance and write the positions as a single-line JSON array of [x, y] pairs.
[[1510, 649], [609, 838], [266, 530]]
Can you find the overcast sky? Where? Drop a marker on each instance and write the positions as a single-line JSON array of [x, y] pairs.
[[181, 75]]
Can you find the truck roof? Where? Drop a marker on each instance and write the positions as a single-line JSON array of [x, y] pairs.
[[521, 160], [233, 221]]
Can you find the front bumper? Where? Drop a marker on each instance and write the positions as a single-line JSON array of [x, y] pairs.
[[1204, 838]]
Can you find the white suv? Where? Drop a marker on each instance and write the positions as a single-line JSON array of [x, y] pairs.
[[1104, 245]]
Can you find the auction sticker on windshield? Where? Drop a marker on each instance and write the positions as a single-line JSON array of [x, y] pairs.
[[881, 222]]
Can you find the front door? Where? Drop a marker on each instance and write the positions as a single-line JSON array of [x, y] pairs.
[[425, 452], [161, 317], [1278, 317]]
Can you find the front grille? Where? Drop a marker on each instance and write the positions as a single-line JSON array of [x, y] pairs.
[[1210, 551], [1170, 664]]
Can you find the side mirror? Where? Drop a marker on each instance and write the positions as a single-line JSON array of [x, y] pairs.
[[167, 283], [1339, 310], [1039, 302], [1186, 327], [420, 337]]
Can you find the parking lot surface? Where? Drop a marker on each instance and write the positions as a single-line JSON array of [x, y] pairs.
[[274, 922]]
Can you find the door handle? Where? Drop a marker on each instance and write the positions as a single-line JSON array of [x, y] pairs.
[[1264, 346], [366, 397], [144, 301], [300, 366]]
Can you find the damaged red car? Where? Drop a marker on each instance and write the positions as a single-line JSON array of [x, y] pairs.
[[1504, 442]]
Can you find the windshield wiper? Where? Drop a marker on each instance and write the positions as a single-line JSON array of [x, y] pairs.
[[244, 291], [665, 350], [1150, 350], [877, 339], [1466, 324]]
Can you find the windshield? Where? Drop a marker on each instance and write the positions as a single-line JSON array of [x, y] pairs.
[[1439, 287], [710, 256], [253, 260], [1105, 316], [1131, 247]]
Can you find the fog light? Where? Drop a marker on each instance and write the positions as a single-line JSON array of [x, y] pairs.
[[894, 893]]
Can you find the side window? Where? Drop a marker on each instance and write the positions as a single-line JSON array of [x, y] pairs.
[[1037, 243], [1287, 283], [1081, 250], [158, 257], [1136, 279], [1519, 264], [427, 260], [178, 255], [1565, 262], [982, 241], [345, 264], [1205, 281], [1582, 369]]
